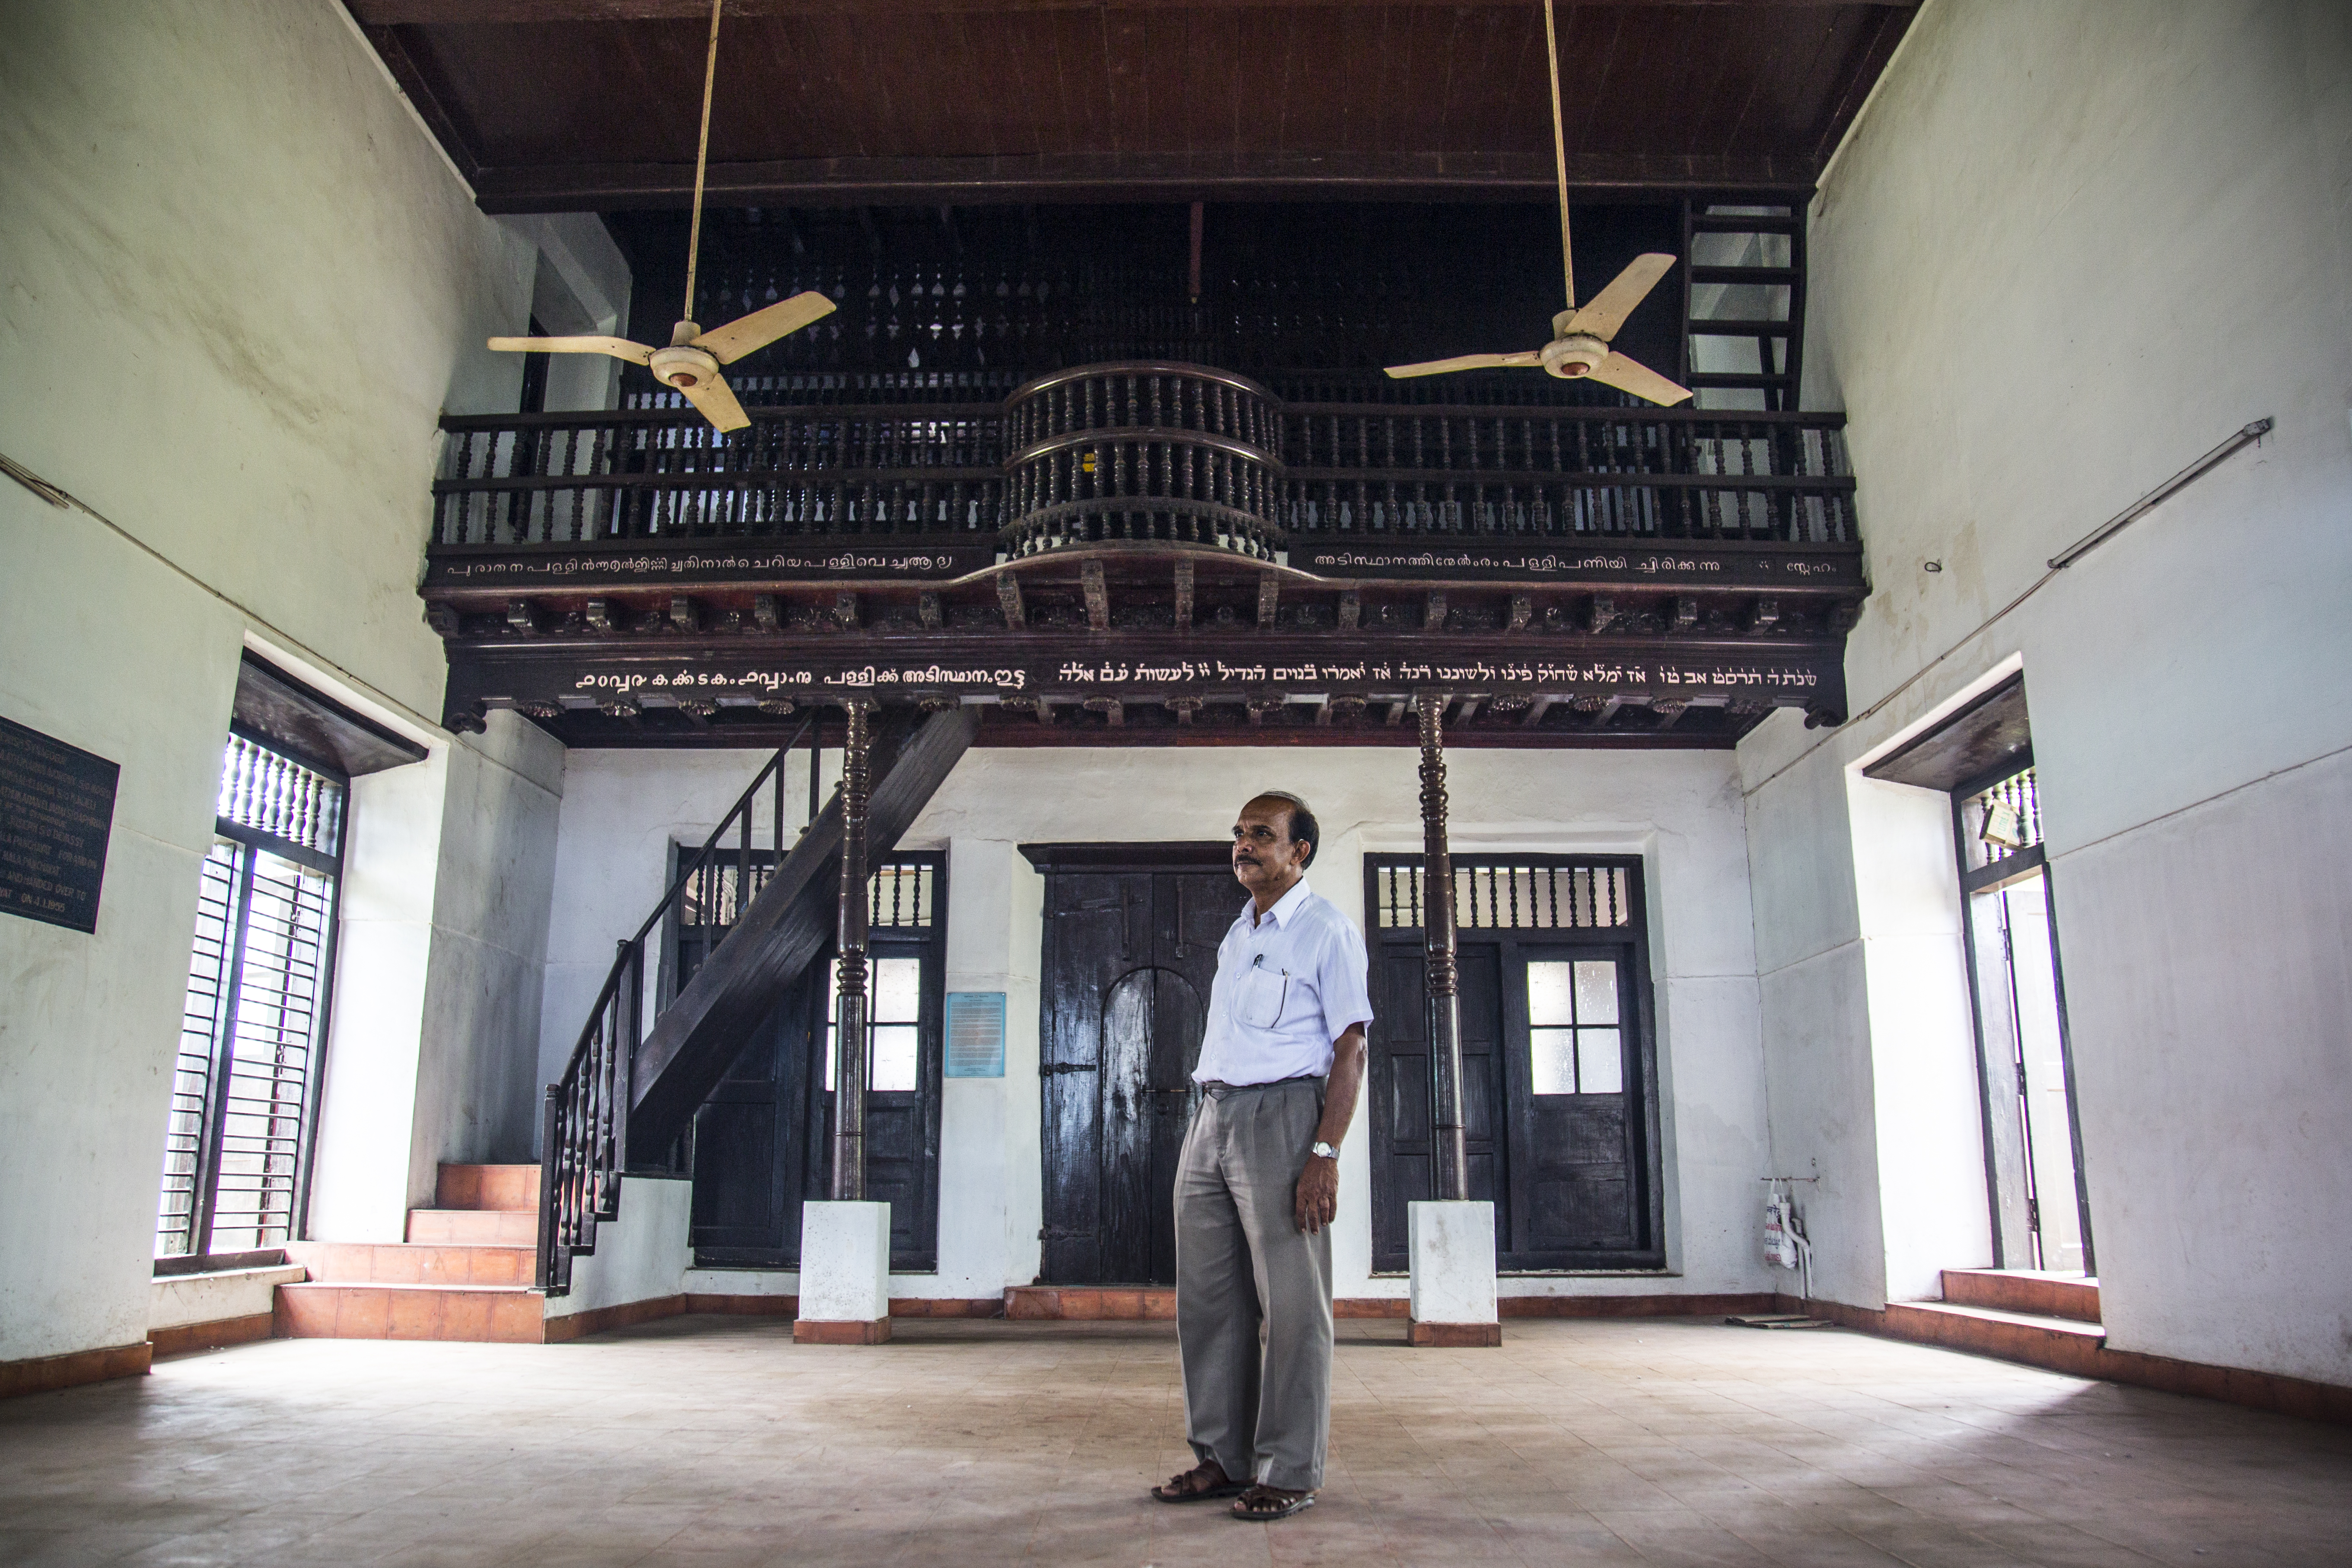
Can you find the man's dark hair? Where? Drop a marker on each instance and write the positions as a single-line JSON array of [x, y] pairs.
[[1303, 826]]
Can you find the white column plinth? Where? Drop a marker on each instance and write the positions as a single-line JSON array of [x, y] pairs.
[[844, 1274], [1453, 1295]]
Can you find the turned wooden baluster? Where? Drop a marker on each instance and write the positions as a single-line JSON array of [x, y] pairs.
[[1437, 947], [849, 1015]]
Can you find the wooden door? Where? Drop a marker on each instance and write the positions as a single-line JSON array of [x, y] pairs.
[[763, 1139], [752, 1166], [1570, 1078], [1131, 956], [1398, 1097]]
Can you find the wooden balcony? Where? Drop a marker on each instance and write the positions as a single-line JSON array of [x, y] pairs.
[[1165, 551]]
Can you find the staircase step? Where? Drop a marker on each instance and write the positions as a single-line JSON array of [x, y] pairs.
[[475, 1227], [2032, 1292], [1034, 1302], [414, 1263], [495, 1314], [508, 1187], [2062, 1344]]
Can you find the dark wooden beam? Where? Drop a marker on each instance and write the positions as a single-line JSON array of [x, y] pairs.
[[1097, 595], [463, 150], [1861, 74], [1157, 176], [476, 13]]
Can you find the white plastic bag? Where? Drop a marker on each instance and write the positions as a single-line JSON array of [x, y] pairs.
[[1780, 1230]]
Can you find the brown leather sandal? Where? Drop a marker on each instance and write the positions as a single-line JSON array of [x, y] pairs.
[[1259, 1505], [1195, 1486]]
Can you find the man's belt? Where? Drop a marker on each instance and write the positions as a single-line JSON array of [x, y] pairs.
[[1217, 1090]]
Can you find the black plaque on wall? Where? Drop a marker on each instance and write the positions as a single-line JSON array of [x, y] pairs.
[[57, 803]]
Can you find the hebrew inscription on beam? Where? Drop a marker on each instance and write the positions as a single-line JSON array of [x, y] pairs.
[[1803, 676]]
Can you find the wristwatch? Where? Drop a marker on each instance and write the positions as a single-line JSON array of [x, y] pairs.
[[1325, 1151]]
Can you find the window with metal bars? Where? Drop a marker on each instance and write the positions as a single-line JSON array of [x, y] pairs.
[[253, 1026], [898, 894], [1558, 1058], [901, 899], [2001, 828], [1531, 894]]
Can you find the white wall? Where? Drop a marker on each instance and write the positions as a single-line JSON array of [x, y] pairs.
[[2067, 248], [622, 811], [580, 286], [180, 1300], [1680, 810], [240, 285], [641, 1254]]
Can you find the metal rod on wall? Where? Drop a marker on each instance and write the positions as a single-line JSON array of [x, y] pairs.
[[1437, 947], [2158, 496], [849, 1006]]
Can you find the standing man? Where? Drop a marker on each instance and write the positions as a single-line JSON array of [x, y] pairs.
[[1258, 1183]]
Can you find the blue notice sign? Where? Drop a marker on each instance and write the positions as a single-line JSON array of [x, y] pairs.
[[975, 1034]]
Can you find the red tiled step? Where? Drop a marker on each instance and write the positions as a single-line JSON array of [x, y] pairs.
[[359, 1263], [475, 1227], [2028, 1291], [487, 1187], [478, 1313], [2062, 1344], [1034, 1302]]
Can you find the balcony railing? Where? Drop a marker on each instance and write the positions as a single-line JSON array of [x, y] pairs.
[[1370, 471]]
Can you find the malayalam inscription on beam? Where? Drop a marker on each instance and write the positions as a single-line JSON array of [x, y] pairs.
[[578, 567]]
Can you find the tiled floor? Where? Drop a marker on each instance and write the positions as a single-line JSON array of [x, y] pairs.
[[718, 1441]]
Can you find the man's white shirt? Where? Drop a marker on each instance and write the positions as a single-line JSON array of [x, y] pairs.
[[1287, 986]]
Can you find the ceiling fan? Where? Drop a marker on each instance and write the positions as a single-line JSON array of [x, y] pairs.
[[691, 362], [1580, 344]]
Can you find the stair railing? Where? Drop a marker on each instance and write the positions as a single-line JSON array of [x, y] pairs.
[[584, 1129]]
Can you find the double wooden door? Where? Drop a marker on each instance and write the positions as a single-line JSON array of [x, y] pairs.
[[1558, 1110], [1131, 955]]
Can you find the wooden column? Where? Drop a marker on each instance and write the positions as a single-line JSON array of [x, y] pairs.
[[850, 1003], [1453, 1173]]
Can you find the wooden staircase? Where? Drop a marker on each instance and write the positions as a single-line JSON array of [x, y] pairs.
[[465, 1272]]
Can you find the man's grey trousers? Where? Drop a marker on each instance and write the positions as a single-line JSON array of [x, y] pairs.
[[1241, 1260]]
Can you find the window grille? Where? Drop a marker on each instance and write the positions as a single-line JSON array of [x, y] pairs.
[[268, 793], [254, 1015], [899, 896], [2003, 822], [1526, 893]]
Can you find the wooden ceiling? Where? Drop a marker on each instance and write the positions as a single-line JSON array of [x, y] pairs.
[[572, 105]]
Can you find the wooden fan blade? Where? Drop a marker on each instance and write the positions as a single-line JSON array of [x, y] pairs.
[[619, 348], [1464, 362], [717, 401], [1632, 375], [757, 331], [1606, 311]]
